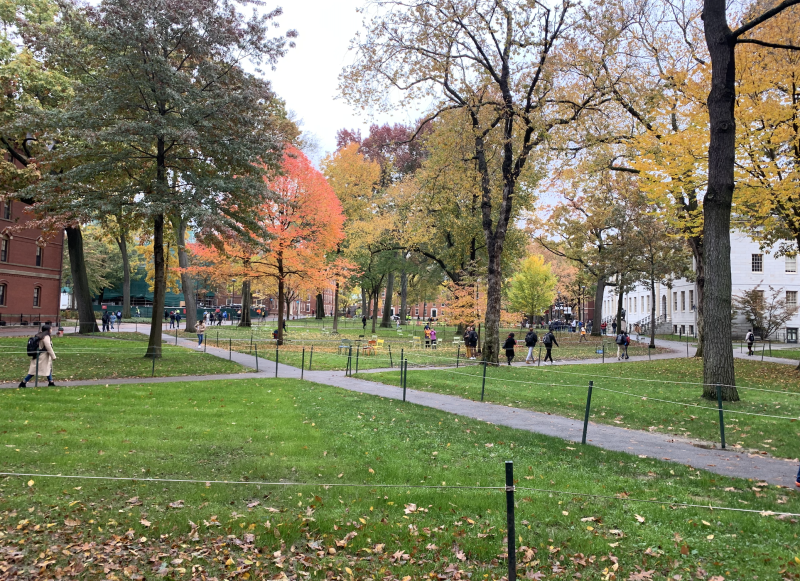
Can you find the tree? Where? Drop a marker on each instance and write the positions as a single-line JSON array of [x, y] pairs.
[[166, 112], [767, 313], [496, 60], [104, 265], [718, 202], [532, 288]]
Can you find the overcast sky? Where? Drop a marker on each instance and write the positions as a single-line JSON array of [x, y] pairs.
[[307, 77]]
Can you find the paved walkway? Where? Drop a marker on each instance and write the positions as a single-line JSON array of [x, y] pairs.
[[653, 445]]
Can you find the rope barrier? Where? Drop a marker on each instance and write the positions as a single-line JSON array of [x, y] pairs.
[[381, 485]]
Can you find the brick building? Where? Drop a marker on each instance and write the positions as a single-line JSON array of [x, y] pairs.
[[30, 269]]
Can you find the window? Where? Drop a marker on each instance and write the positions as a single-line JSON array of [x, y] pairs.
[[635, 304], [791, 264], [4, 250], [648, 303], [2, 295], [416, 314], [7, 211], [757, 262], [39, 252], [683, 300], [37, 296], [675, 301], [691, 330], [691, 299], [791, 298]]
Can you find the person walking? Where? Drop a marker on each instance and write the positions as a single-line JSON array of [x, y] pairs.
[[620, 341], [104, 319], [614, 328], [530, 342], [603, 327], [473, 342], [178, 320], [112, 318], [200, 329], [549, 340], [225, 316], [638, 330], [626, 343], [172, 319], [509, 345], [750, 338], [42, 364], [583, 335], [364, 322], [427, 331], [119, 318]]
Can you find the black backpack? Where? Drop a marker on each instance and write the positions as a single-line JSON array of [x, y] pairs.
[[620, 339], [33, 346], [548, 339]]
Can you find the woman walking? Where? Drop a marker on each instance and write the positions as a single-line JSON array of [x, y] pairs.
[[200, 329], [42, 364], [509, 347]]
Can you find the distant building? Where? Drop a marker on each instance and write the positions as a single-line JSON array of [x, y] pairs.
[[676, 304]]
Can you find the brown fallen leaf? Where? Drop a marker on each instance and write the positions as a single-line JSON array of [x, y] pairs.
[[145, 522]]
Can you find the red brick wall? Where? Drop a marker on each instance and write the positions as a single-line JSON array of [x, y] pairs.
[[21, 275]]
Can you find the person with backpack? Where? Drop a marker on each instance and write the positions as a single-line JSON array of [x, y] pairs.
[[509, 345], [750, 338], [620, 341], [104, 320], [472, 342], [172, 319], [625, 345], [530, 342], [549, 340], [112, 318], [40, 349], [178, 320]]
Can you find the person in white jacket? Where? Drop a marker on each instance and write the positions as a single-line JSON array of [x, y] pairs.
[[45, 358]]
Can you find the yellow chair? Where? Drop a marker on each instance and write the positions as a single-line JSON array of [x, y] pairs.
[[379, 346], [416, 342]]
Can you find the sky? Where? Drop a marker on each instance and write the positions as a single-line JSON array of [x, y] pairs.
[[307, 77]]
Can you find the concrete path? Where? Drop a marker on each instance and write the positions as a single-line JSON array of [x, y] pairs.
[[650, 444]]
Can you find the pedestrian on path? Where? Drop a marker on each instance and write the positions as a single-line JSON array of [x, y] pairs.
[[614, 327], [750, 338], [583, 335], [364, 322], [530, 342], [42, 364], [549, 340], [620, 341], [104, 320], [603, 327], [200, 329], [112, 318], [473, 342], [509, 347], [172, 319], [178, 320]]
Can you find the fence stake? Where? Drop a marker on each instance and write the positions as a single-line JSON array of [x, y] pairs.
[[604, 351], [721, 419], [588, 407], [217, 338], [512, 541], [762, 350], [176, 336], [230, 348], [256, 346], [770, 347], [154, 364], [405, 378], [349, 359], [390, 356], [483, 384], [458, 354], [310, 358], [303, 363], [540, 356], [401, 372], [276, 360], [357, 352]]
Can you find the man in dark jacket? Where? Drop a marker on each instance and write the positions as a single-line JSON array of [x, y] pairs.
[[364, 321], [549, 340], [530, 342], [473, 341], [509, 345]]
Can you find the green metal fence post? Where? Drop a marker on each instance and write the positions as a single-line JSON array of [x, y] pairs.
[[310, 357], [483, 383], [256, 346], [721, 418], [303, 363], [586, 416]]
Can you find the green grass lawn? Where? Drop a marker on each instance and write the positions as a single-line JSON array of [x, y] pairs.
[[291, 431], [95, 358], [562, 390]]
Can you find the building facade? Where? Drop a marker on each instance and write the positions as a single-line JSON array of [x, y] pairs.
[[676, 304], [30, 269]]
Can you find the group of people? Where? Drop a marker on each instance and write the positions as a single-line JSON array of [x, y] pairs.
[[430, 336], [109, 318], [471, 342], [175, 319], [531, 339], [210, 318]]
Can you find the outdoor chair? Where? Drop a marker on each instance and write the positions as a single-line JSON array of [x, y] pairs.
[[344, 346]]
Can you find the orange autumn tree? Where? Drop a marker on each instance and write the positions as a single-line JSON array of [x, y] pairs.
[[301, 225]]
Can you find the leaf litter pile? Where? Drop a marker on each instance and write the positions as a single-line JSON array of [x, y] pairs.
[[268, 430]]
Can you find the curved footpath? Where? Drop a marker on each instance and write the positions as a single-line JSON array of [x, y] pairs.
[[653, 445]]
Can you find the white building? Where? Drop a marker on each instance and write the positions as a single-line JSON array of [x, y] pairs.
[[676, 309]]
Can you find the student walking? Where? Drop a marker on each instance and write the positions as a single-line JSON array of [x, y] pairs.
[[104, 319], [112, 318], [472, 342], [583, 335], [364, 322], [200, 329], [178, 320], [530, 342], [42, 363], [509, 347], [750, 338], [172, 319], [603, 327], [549, 340]]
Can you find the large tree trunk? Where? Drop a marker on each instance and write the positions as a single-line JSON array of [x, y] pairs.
[[122, 242], [717, 203], [597, 319], [80, 281], [320, 310], [364, 303], [375, 299], [619, 308], [247, 301], [281, 314], [386, 320], [187, 284], [336, 308], [159, 289], [491, 343], [696, 244], [403, 296]]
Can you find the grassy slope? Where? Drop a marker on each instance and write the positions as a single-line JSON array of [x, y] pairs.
[[294, 431], [562, 390], [95, 358]]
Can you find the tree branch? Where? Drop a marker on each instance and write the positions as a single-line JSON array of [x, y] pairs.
[[763, 18], [767, 44]]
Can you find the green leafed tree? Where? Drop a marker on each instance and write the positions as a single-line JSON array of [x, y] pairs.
[[532, 288], [166, 114]]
